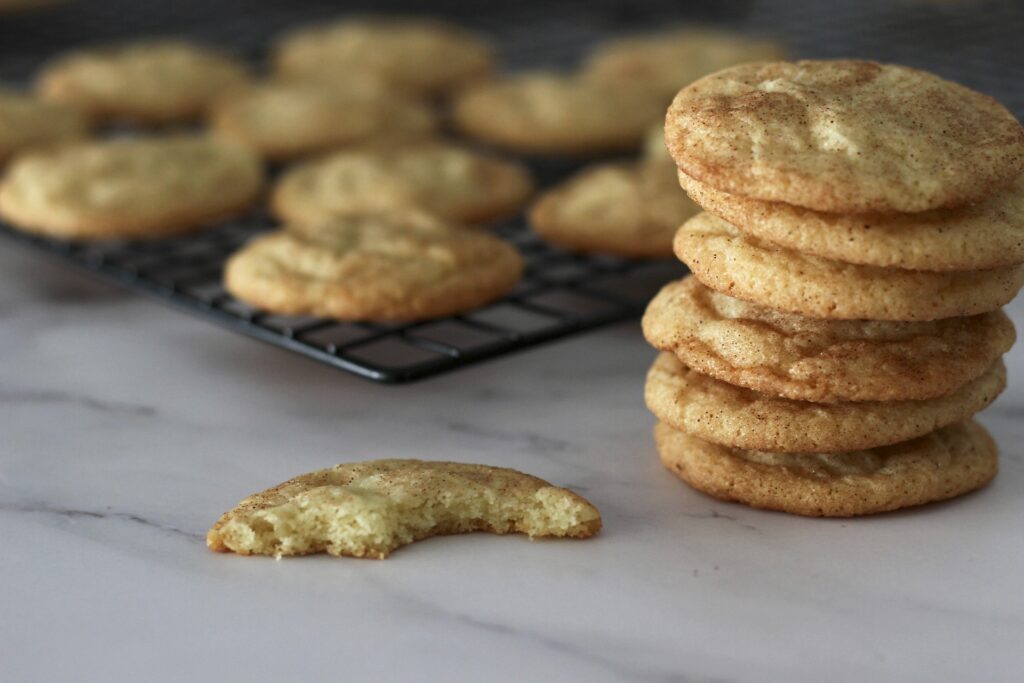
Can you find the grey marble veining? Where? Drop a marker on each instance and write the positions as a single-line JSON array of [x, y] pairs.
[[127, 428]]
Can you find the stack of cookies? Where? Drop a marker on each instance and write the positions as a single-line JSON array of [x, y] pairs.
[[864, 223]]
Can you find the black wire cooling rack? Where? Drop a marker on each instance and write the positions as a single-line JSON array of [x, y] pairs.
[[561, 293]]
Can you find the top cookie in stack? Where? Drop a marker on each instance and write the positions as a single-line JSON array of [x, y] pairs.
[[864, 223]]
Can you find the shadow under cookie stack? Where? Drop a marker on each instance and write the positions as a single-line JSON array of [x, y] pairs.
[[863, 225]]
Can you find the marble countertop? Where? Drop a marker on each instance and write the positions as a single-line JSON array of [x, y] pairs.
[[126, 428]]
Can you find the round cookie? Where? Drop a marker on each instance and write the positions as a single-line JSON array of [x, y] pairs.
[[452, 182], [844, 137], [129, 187], [726, 260], [947, 463], [631, 210], [402, 265], [546, 113], [823, 361], [283, 120], [986, 234], [27, 123], [413, 54], [666, 62], [154, 82], [740, 418]]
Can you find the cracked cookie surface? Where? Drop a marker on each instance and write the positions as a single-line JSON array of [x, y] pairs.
[[155, 82], [130, 188], [369, 509], [844, 136], [400, 265], [450, 181], [809, 359], [729, 261], [946, 463], [741, 418]]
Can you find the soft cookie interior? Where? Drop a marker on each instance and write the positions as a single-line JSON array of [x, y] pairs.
[[373, 515]]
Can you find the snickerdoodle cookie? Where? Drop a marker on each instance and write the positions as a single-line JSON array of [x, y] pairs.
[[844, 137], [946, 463], [28, 123], [369, 509], [985, 234], [129, 188], [628, 209], [283, 120], [453, 182], [729, 261], [741, 418], [154, 82], [547, 113], [400, 265], [667, 61], [415, 54], [823, 361]]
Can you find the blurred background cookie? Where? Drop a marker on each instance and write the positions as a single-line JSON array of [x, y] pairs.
[[129, 188], [450, 181], [420, 55], [549, 113], [27, 122], [631, 209], [283, 120], [149, 82], [666, 61]]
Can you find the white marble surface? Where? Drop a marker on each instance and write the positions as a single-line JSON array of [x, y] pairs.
[[126, 428]]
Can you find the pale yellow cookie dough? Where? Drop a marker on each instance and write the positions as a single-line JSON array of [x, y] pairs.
[[369, 509]]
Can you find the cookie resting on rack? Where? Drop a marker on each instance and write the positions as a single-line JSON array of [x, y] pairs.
[[149, 82], [627, 209], [284, 120], [28, 123], [666, 61], [417, 55], [374, 266], [129, 188], [450, 181], [552, 114]]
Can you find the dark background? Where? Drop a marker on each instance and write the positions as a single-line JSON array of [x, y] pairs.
[[974, 42]]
